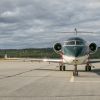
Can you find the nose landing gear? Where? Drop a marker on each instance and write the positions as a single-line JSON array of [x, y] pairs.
[[63, 68], [75, 72]]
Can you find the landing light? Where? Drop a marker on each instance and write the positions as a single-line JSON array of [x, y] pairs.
[[75, 61]]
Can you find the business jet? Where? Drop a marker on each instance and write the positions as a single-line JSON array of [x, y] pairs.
[[75, 51]]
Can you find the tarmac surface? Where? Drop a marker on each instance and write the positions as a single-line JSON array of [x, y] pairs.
[[43, 81]]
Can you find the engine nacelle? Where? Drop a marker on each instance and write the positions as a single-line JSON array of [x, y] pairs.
[[93, 48], [57, 47]]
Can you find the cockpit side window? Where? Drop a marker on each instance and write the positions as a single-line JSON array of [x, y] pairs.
[[79, 43]]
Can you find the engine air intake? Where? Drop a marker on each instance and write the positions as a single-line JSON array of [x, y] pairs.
[[57, 47], [93, 47]]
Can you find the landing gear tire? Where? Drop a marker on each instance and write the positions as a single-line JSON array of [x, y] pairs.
[[63, 68], [60, 68], [87, 68]]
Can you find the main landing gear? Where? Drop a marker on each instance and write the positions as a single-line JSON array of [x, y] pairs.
[[62, 67], [75, 72], [88, 67]]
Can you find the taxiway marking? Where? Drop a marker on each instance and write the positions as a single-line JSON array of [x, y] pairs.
[[72, 79]]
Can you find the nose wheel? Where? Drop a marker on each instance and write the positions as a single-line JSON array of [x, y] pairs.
[[75, 72]]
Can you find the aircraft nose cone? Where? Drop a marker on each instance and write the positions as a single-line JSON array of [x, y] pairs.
[[77, 51]]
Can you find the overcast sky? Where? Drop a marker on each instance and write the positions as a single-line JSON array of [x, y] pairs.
[[38, 23]]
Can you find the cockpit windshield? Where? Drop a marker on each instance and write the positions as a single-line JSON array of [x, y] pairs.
[[74, 42], [70, 43], [79, 42]]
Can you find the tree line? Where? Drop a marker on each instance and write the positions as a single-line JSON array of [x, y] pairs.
[[36, 53]]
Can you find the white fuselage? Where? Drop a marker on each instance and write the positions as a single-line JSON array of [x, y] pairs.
[[75, 60]]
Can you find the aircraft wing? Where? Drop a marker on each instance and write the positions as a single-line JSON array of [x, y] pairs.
[[36, 59], [94, 61], [46, 60]]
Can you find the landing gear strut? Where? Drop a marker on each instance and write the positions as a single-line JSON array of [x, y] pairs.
[[75, 72], [62, 67]]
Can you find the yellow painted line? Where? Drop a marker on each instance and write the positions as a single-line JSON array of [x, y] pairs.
[[72, 79]]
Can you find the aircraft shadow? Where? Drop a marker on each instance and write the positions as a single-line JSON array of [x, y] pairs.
[[45, 69], [97, 71]]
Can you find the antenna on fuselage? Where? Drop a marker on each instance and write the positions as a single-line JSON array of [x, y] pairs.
[[75, 31]]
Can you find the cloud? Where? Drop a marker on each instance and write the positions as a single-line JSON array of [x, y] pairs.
[[34, 23]]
